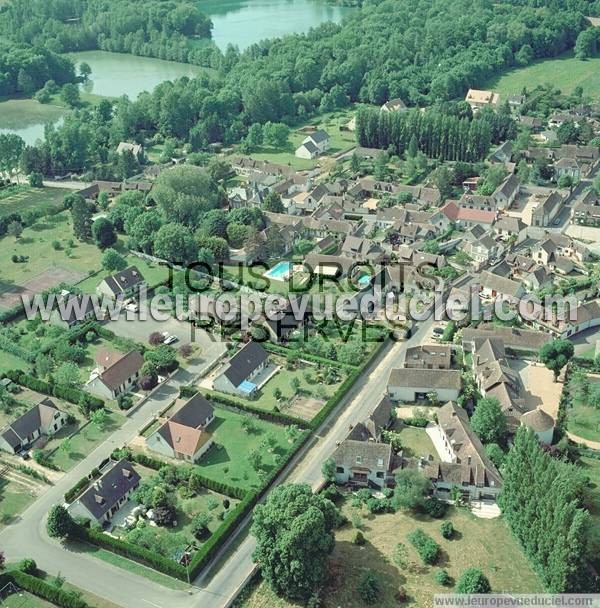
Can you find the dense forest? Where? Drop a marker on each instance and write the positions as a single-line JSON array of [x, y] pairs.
[[424, 51], [25, 69], [156, 28]]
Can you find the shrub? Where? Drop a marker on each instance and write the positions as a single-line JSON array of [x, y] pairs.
[[442, 577], [426, 547], [38, 587], [435, 508], [359, 538], [447, 529], [28, 566], [368, 587]]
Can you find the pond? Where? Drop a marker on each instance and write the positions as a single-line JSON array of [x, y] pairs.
[[244, 22], [27, 118], [116, 74]]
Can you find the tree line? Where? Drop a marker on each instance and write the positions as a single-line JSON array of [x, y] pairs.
[[435, 134]]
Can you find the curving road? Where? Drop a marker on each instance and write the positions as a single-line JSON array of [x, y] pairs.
[[233, 565]]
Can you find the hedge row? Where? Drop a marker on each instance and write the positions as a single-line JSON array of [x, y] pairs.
[[130, 551], [81, 485], [287, 352], [206, 552], [269, 416], [40, 588], [68, 393], [211, 484], [222, 533], [344, 387], [8, 344]]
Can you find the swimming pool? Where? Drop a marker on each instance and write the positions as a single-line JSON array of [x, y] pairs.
[[280, 272]]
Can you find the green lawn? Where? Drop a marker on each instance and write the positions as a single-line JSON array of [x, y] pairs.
[[415, 442], [591, 467], [155, 274], [481, 543], [25, 198], [83, 442], [9, 361], [25, 600], [227, 461], [565, 72], [14, 499], [584, 421], [331, 122]]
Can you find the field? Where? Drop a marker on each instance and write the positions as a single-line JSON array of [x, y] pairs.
[[584, 421], [565, 73], [15, 497], [25, 600], [83, 442], [26, 198], [55, 256], [227, 461], [484, 543], [340, 141]]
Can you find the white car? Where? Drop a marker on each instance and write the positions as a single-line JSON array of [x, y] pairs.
[[168, 338], [132, 306]]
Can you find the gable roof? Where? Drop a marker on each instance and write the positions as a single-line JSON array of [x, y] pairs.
[[124, 280], [122, 369], [368, 455], [318, 136], [245, 362], [425, 378], [194, 412], [32, 420], [111, 487]]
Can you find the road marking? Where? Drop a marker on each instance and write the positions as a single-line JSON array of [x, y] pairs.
[[151, 603]]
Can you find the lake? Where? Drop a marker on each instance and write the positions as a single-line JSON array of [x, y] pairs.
[[238, 22], [244, 22]]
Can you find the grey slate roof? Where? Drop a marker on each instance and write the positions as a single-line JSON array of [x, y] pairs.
[[426, 378], [368, 455], [195, 412], [124, 280], [106, 492], [245, 362]]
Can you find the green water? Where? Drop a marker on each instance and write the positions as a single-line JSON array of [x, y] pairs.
[[244, 22], [237, 22]]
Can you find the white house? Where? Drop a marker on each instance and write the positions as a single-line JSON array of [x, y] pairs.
[[409, 385], [363, 463], [42, 419], [115, 373], [314, 145], [125, 284], [241, 370], [108, 494], [184, 436]]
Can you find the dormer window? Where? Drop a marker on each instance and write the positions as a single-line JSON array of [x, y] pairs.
[[359, 460]]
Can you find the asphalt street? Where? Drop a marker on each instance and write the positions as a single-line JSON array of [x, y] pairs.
[[213, 589]]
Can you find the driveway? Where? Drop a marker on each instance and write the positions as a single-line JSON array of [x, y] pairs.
[[210, 348]]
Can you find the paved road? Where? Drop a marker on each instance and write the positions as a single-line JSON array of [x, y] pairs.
[[27, 538]]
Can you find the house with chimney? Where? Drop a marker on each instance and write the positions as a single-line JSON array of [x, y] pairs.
[[465, 464], [103, 499], [124, 284], [115, 373], [42, 420], [184, 436]]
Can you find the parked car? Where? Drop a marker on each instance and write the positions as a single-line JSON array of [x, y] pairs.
[[168, 338]]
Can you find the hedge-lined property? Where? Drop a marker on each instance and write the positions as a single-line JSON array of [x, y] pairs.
[[68, 393], [40, 588], [81, 485]]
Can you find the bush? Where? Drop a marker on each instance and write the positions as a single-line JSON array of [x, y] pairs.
[[442, 577], [359, 538], [426, 547], [435, 508], [368, 587], [35, 586], [28, 566], [447, 529]]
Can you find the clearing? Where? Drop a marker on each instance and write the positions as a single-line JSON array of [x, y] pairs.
[[19, 199], [565, 73], [483, 543]]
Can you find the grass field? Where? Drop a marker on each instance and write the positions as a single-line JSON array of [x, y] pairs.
[[83, 442], [482, 543], [331, 122], [565, 72], [415, 442], [29, 198], [227, 461], [25, 600], [584, 421], [14, 499]]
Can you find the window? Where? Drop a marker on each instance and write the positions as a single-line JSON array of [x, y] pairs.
[[380, 462], [359, 460], [380, 475], [339, 469]]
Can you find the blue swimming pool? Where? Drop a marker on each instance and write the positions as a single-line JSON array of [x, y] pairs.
[[280, 272]]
